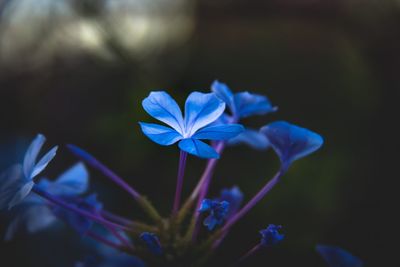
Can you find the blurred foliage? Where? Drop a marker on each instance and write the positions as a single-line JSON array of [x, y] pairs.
[[78, 70]]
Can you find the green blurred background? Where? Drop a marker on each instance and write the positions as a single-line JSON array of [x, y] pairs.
[[77, 71]]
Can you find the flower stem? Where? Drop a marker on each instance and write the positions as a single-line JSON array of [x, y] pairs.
[[81, 212], [248, 254], [208, 173], [92, 161], [103, 240], [179, 183], [253, 201]]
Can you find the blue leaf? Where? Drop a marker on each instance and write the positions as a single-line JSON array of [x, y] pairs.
[[198, 148], [252, 104], [201, 110], [152, 242], [223, 92], [160, 134], [251, 138], [338, 257], [163, 107], [291, 142], [219, 132]]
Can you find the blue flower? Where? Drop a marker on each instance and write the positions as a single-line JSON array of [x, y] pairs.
[[17, 182], [338, 257], [234, 197], [291, 142], [218, 212], [152, 242], [200, 111], [271, 236], [242, 105], [35, 214]]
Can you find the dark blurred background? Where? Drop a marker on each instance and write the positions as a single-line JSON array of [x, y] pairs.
[[77, 70]]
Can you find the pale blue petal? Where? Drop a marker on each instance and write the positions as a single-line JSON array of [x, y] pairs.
[[251, 138], [248, 104], [39, 167], [163, 107], [11, 182], [219, 132], [223, 92], [31, 219], [32, 153], [73, 182], [21, 194], [198, 148], [160, 134], [291, 142], [201, 110], [338, 257]]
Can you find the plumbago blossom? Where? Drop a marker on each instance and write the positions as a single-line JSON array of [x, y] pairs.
[[174, 240]]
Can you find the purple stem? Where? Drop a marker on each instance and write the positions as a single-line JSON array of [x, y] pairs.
[[179, 183], [103, 240], [204, 185], [253, 201], [116, 218], [81, 212], [92, 161], [249, 253]]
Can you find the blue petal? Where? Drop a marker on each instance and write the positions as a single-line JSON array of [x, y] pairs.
[[160, 134], [43, 162], [234, 197], [163, 107], [77, 222], [252, 104], [32, 153], [205, 205], [251, 138], [21, 194], [73, 182], [219, 132], [152, 242], [201, 110], [223, 92], [337, 257], [198, 148], [271, 236], [291, 142]]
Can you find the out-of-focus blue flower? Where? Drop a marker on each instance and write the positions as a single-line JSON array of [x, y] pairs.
[[242, 105], [271, 236], [17, 182], [234, 197], [77, 222], [338, 257], [152, 242], [36, 214], [291, 142], [200, 111], [218, 212]]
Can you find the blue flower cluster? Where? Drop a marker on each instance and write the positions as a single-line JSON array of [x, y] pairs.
[[160, 241]]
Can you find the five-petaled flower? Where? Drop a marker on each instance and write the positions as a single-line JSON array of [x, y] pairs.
[[218, 212], [200, 111], [242, 105], [271, 236], [17, 181]]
